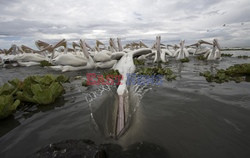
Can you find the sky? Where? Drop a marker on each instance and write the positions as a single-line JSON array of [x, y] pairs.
[[25, 21]]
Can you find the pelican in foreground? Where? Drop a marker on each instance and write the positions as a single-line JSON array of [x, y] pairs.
[[125, 66]]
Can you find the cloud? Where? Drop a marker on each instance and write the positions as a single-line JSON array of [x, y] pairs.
[[24, 21]]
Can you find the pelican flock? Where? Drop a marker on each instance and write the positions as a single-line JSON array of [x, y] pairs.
[[114, 56]]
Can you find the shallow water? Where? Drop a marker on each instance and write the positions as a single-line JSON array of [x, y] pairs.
[[188, 117]]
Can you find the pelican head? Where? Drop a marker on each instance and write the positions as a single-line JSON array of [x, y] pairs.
[[182, 44], [216, 43], [122, 92]]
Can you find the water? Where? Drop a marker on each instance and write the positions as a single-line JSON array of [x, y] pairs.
[[187, 117]]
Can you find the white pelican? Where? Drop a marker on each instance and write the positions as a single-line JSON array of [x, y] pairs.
[[119, 44], [117, 55], [113, 47], [125, 66], [28, 57], [159, 54], [214, 53], [182, 52], [106, 64], [70, 60], [102, 56], [198, 50], [98, 44], [146, 56]]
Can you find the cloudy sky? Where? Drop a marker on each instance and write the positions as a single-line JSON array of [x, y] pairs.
[[24, 21]]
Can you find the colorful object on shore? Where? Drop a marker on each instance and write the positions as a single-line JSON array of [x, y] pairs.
[[237, 73], [34, 89]]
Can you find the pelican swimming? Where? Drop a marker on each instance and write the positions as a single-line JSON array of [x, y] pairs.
[[182, 52], [198, 50], [159, 54], [214, 53], [125, 66], [70, 60], [102, 56], [26, 57], [112, 45]]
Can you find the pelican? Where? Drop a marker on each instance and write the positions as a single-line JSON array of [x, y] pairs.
[[27, 57], [97, 47], [70, 60], [142, 45], [106, 64], [41, 45], [102, 56], [198, 50], [83, 63], [182, 52], [146, 56], [119, 44], [113, 47], [125, 66], [159, 54], [214, 53], [117, 55]]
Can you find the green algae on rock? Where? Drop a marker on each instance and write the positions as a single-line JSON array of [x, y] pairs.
[[34, 89], [237, 73]]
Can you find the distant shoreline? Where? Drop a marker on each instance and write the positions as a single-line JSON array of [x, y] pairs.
[[232, 49]]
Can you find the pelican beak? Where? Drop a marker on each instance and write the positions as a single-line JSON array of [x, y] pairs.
[[205, 42], [120, 123], [121, 112]]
